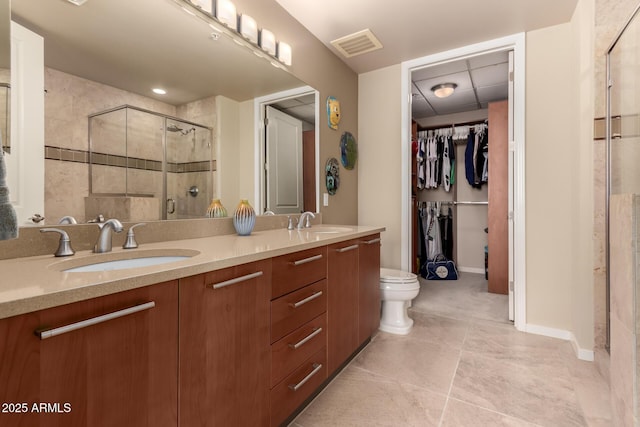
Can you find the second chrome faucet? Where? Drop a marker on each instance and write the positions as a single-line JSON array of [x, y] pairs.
[[104, 242]]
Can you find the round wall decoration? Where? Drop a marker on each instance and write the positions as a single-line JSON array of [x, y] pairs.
[[348, 150], [332, 172]]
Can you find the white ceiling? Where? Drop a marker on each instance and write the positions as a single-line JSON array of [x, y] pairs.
[[411, 29]]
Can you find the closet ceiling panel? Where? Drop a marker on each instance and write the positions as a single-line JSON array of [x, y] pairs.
[[480, 79]]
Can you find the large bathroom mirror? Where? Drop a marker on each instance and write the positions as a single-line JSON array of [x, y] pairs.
[[101, 55]]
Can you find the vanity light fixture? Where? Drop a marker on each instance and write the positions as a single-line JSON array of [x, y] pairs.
[[77, 2], [205, 5], [268, 42], [444, 90], [248, 28], [159, 91], [284, 53], [226, 13]]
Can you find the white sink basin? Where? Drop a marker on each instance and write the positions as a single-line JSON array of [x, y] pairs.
[[123, 260], [319, 229], [126, 263]]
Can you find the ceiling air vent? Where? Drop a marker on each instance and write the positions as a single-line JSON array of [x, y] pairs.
[[357, 43]]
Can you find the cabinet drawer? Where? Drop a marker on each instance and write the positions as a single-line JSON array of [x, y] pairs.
[[293, 310], [294, 389], [288, 353], [292, 271]]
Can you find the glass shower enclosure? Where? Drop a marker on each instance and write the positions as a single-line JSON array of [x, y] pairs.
[[622, 132], [148, 166]]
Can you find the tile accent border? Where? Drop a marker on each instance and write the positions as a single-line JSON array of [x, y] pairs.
[[81, 156]]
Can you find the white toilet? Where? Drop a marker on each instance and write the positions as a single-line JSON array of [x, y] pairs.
[[397, 289]]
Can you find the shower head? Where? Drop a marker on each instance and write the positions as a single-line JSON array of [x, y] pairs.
[[174, 128]]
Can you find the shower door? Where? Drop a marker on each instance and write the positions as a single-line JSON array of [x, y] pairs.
[[189, 177], [623, 183]]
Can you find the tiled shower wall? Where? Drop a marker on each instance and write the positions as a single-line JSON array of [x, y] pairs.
[[69, 101]]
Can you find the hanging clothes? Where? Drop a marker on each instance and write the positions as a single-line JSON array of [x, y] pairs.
[[420, 163]]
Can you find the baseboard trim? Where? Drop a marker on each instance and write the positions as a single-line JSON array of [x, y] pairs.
[[581, 353], [470, 270]]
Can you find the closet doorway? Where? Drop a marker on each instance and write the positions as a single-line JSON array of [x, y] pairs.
[[473, 206]]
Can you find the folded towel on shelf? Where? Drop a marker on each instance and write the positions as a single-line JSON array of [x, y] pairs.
[[8, 218]]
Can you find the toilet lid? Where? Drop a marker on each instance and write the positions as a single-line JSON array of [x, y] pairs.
[[391, 275]]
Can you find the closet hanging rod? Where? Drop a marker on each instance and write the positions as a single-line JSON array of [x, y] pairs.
[[470, 203], [449, 126]]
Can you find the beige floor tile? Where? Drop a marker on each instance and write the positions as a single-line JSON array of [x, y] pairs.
[[461, 414], [465, 298], [410, 361], [504, 342], [360, 398], [439, 330], [462, 346], [531, 392]]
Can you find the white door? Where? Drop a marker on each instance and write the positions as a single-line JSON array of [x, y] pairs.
[[25, 164], [283, 163], [511, 158]]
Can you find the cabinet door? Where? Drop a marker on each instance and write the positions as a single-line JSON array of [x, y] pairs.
[[369, 284], [113, 363], [342, 303], [225, 347]]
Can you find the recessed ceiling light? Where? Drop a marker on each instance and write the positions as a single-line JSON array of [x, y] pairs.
[[77, 2], [159, 91]]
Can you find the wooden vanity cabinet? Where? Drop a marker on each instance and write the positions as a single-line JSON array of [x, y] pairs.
[[298, 330], [343, 289], [369, 287], [225, 347], [120, 371]]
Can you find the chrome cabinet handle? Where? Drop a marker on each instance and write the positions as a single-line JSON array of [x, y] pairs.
[[48, 333], [347, 248], [237, 280], [306, 300], [316, 369], [372, 241], [304, 340], [306, 260]]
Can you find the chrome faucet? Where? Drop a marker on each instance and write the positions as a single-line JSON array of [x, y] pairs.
[[104, 238], [67, 220], [305, 221]]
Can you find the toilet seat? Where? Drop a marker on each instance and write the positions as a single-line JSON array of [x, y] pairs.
[[392, 276]]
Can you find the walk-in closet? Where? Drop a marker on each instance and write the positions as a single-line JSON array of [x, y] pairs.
[[460, 168]]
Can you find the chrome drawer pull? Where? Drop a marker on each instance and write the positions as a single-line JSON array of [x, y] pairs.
[[306, 260], [347, 248], [316, 369], [371, 242], [306, 300], [237, 280], [305, 339], [94, 320]]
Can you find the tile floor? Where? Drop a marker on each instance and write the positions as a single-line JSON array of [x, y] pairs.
[[463, 364]]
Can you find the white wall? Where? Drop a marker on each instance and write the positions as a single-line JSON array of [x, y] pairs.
[[379, 173], [558, 184]]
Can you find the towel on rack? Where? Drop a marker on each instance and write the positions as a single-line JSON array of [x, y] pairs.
[[8, 218]]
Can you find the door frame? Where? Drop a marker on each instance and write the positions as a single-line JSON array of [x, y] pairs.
[[516, 43], [259, 138]]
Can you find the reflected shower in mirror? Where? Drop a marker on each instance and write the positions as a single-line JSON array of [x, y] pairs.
[[148, 166]]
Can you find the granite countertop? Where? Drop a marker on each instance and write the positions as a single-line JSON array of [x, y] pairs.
[[34, 283]]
